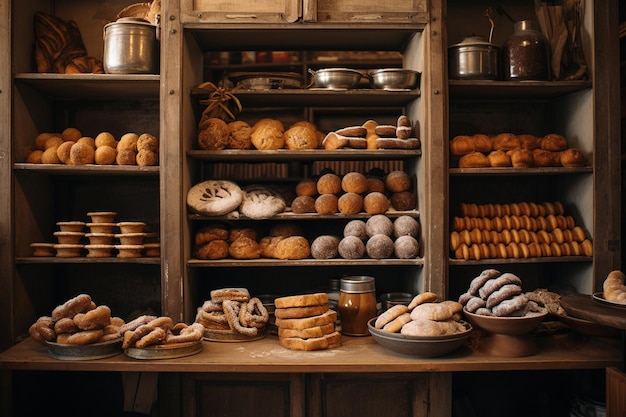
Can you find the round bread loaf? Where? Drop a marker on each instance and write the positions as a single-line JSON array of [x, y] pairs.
[[406, 247], [521, 158], [293, 247], [244, 248], [303, 204], [354, 182], [329, 183], [307, 186], [499, 159], [406, 226], [268, 134], [397, 181], [379, 225], [239, 135], [261, 202], [351, 247], [356, 228], [505, 142], [376, 203], [403, 201], [375, 184], [327, 204], [300, 137], [350, 203], [379, 247], [474, 160], [325, 247], [215, 249], [213, 136], [482, 143], [214, 197], [553, 142]]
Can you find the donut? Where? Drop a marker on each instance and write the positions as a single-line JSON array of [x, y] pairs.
[[406, 247], [379, 247], [477, 283], [351, 247], [507, 307], [379, 224], [325, 247], [495, 284], [79, 304], [85, 337], [501, 294], [97, 318]]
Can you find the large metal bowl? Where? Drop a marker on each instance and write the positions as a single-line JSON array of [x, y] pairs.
[[395, 79], [336, 78]]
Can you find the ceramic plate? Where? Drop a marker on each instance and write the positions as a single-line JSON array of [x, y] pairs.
[[598, 297]]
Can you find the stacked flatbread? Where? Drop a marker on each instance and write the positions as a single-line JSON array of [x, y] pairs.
[[305, 322]]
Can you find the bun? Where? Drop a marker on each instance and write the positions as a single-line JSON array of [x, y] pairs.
[[215, 249], [245, 248], [379, 225], [406, 247], [505, 142], [462, 145], [521, 158], [528, 141], [306, 187], [614, 288], [356, 228], [397, 181], [325, 247], [351, 247], [303, 204], [268, 134], [292, 247], [474, 160], [499, 159], [572, 157], [213, 135], [553, 142], [375, 184], [403, 201], [327, 204], [376, 203], [482, 143], [239, 135], [354, 182], [300, 137], [543, 158], [329, 184], [350, 203], [379, 247]]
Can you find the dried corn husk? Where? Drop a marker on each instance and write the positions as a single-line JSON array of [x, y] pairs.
[[221, 102]]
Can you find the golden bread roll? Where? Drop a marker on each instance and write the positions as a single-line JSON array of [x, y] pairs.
[[553, 142], [213, 136], [268, 134], [462, 145], [499, 159], [474, 160], [239, 135], [506, 142], [482, 143], [300, 137]]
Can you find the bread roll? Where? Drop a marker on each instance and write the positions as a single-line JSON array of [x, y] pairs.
[[268, 134], [462, 145], [300, 137], [505, 142], [327, 204], [397, 181], [213, 136], [329, 183], [350, 203], [474, 160], [376, 203], [239, 135], [354, 182]]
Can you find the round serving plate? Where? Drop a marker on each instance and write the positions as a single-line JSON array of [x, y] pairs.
[[420, 346], [168, 351], [84, 352], [598, 297], [213, 335]]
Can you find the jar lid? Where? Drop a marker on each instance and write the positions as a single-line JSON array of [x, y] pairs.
[[357, 284]]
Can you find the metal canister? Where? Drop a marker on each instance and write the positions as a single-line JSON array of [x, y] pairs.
[[357, 304], [131, 46]]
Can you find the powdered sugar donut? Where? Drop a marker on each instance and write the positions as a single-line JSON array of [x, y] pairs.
[[379, 224], [351, 247]]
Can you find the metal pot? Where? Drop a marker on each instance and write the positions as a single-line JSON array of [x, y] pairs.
[[336, 78], [394, 79], [267, 80], [474, 58], [131, 46]]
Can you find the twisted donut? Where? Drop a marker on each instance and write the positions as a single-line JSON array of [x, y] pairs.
[[154, 337], [65, 325], [132, 336], [231, 311], [506, 291], [133, 324], [43, 330], [507, 307], [97, 318], [190, 333], [85, 337], [73, 306]]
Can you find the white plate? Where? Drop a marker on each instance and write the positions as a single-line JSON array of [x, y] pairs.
[[598, 297]]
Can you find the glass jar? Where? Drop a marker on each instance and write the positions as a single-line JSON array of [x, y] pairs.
[[525, 55], [357, 304]]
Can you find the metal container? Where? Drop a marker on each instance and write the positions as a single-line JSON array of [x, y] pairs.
[[131, 46], [394, 79], [267, 80], [526, 53], [336, 78], [474, 58]]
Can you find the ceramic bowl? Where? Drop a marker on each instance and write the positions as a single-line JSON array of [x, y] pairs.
[[506, 325], [425, 347]]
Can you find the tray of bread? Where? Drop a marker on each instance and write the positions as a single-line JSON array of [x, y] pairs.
[[232, 315]]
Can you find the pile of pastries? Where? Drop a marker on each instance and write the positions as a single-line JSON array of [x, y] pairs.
[[72, 147], [514, 150], [271, 134], [516, 230]]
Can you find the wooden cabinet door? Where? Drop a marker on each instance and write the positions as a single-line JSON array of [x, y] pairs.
[[241, 11], [615, 393], [250, 395]]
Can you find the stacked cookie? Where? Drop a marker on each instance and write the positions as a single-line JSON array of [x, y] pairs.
[[305, 322], [493, 293]]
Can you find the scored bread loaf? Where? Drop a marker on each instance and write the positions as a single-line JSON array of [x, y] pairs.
[[302, 300]]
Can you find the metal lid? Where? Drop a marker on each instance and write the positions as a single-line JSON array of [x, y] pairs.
[[357, 284], [473, 41]]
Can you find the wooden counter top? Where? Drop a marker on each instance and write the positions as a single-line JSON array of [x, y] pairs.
[[561, 351]]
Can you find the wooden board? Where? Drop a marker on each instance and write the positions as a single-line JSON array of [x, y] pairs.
[[584, 307]]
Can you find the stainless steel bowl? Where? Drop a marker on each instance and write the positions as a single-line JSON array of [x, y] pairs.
[[395, 79], [336, 78]]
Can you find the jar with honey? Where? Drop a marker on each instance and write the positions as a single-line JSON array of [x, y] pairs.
[[357, 304]]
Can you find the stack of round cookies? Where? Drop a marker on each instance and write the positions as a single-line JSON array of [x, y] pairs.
[[305, 322]]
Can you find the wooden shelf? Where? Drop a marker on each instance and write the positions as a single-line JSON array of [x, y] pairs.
[[234, 263], [356, 355], [520, 171], [513, 90], [283, 155], [61, 169], [84, 260]]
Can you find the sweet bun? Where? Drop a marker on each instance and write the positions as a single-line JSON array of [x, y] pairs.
[[528, 141], [379, 225], [214, 135], [379, 247], [329, 183], [146, 141], [354, 182], [499, 159], [236, 233], [572, 157], [126, 157], [325, 247], [303, 204], [49, 156], [397, 181], [521, 158], [128, 141], [505, 142], [327, 204], [307, 186], [474, 160], [82, 154], [350, 203], [403, 201], [286, 229], [482, 143], [34, 157], [293, 247], [376, 203], [105, 139], [543, 158], [147, 157], [357, 228], [215, 249], [462, 145], [71, 133], [244, 248], [300, 137], [54, 141], [351, 247], [375, 184], [63, 151], [553, 142], [268, 134]]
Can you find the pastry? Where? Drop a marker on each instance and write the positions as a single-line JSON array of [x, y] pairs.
[[329, 183], [474, 160], [105, 155], [406, 247], [239, 135], [403, 201], [376, 203], [214, 197], [306, 187], [397, 143], [300, 137], [356, 228], [527, 141], [333, 141], [352, 131], [614, 288], [462, 145], [505, 142], [350, 203], [215, 249], [211, 232], [379, 225], [146, 157], [325, 247], [553, 142], [482, 143], [244, 248], [303, 204], [214, 134], [385, 131], [406, 226], [379, 247], [292, 247], [351, 247], [499, 159], [268, 134], [572, 157], [145, 141], [327, 204], [128, 141], [521, 158]]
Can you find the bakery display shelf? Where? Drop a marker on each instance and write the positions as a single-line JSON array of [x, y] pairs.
[[308, 216], [356, 355], [502, 261], [62, 169], [84, 260], [309, 262], [235, 155], [318, 97], [93, 86], [520, 171], [511, 90], [312, 36]]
